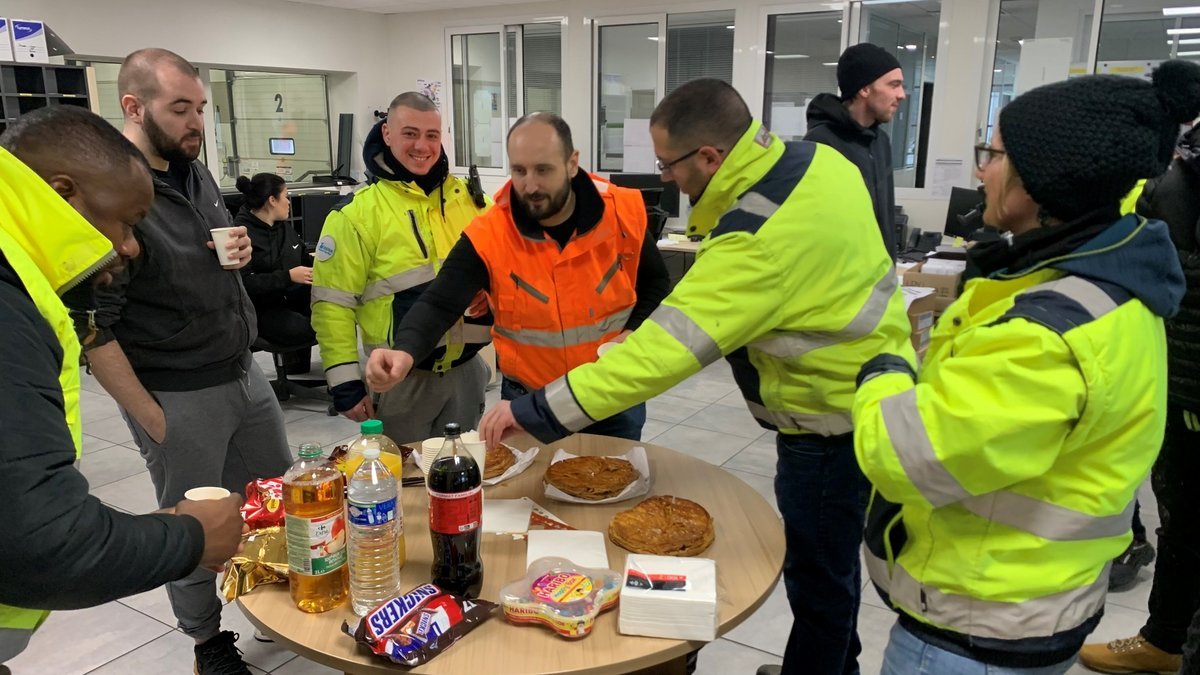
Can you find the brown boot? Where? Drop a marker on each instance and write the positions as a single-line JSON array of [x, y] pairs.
[[1129, 655]]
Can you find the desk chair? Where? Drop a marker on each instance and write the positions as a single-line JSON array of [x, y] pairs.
[[284, 387]]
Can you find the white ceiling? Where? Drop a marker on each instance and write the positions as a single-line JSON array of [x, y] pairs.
[[400, 6]]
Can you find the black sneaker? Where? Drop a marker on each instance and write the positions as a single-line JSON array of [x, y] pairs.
[[220, 656], [1125, 566]]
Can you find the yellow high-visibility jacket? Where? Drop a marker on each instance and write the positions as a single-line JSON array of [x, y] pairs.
[[1015, 455], [390, 239], [792, 285]]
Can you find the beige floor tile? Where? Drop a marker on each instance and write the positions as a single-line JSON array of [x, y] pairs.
[[265, 655], [652, 428], [759, 457], [723, 657], [110, 465], [153, 603], [82, 640], [111, 429], [671, 408], [321, 429], [767, 629], [728, 420], [92, 444], [713, 447], [134, 494]]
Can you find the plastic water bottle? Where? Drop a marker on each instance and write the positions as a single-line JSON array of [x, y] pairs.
[[375, 527]]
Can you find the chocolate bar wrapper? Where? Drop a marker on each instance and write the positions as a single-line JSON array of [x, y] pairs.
[[263, 560], [413, 628], [264, 503]]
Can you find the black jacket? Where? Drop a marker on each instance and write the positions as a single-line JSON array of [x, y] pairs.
[[184, 322], [62, 548], [1174, 198], [868, 148], [277, 249]]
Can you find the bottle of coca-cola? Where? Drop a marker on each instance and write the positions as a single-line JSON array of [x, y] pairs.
[[455, 513]]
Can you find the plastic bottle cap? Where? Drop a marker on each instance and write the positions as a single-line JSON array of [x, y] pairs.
[[370, 451], [310, 450], [371, 427], [452, 429]]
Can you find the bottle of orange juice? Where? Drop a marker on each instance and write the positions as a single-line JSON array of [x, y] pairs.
[[389, 453]]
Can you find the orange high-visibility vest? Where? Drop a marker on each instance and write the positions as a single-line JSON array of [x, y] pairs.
[[553, 308]]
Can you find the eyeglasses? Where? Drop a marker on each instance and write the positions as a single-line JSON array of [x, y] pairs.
[[664, 167], [984, 154]]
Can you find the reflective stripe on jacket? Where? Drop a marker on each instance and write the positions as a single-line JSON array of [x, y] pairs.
[[1016, 455], [792, 285], [390, 238], [49, 261], [552, 308]]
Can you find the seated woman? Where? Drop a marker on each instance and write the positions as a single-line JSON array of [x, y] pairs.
[[279, 276], [1013, 457]]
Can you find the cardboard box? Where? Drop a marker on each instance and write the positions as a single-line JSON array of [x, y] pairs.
[[29, 41], [921, 304], [945, 286], [920, 340], [6, 48]]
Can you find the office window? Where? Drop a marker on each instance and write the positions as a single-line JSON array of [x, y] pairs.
[[628, 80], [1037, 42], [909, 30], [801, 62], [531, 63], [270, 122], [1136, 37], [478, 109], [699, 44]]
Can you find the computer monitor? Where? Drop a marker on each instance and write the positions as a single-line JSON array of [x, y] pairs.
[[962, 202], [654, 191], [314, 207], [282, 146]]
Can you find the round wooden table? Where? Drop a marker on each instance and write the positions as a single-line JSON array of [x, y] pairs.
[[748, 550]]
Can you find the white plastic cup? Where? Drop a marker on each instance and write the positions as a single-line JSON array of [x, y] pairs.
[[430, 447], [220, 237], [199, 494], [477, 448]]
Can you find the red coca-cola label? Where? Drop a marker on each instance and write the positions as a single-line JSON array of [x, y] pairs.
[[455, 512]]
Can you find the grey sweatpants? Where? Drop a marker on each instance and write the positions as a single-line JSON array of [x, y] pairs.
[[425, 402], [227, 435]]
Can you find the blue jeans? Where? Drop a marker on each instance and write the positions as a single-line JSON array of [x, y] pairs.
[[822, 495], [906, 654], [626, 424]]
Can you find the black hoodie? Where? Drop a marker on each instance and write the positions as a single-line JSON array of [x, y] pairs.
[[868, 148], [276, 250]]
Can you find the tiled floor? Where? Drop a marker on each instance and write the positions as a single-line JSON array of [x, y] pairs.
[[703, 416]]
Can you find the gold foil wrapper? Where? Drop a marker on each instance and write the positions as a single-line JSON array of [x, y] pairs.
[[263, 560]]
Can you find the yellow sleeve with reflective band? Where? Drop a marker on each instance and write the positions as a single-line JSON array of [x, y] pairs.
[[730, 297], [994, 413], [338, 283]]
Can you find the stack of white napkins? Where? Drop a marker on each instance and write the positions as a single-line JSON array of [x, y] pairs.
[[665, 596]]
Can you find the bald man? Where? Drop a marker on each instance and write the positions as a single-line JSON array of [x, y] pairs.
[[170, 339]]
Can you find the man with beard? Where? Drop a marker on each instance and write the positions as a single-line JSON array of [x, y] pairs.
[[63, 548], [567, 266], [872, 87], [377, 253], [170, 338]]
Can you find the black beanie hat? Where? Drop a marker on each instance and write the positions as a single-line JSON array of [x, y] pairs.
[[1082, 144], [861, 65]]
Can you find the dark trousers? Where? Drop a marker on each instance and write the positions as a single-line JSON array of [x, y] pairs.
[[822, 495], [287, 322], [1175, 596], [1191, 649], [625, 424]]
